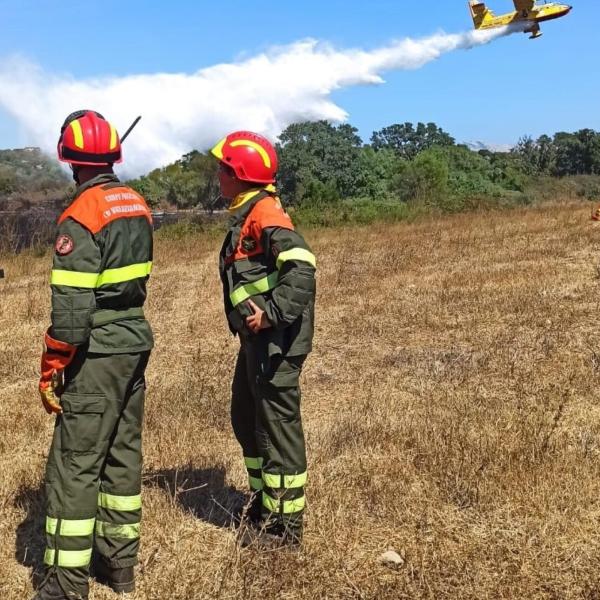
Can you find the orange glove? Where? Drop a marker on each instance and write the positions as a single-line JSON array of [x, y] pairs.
[[50, 395], [56, 357]]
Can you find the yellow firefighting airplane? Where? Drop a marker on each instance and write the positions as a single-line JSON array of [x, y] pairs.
[[526, 11]]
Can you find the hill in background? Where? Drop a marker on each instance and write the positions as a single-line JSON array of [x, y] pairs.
[[28, 177]]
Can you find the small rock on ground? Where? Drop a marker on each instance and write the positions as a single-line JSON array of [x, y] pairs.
[[391, 559]]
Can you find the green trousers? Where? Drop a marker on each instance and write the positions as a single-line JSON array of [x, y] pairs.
[[265, 414], [93, 475]]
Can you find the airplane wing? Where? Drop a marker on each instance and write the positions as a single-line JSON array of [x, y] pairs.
[[521, 5]]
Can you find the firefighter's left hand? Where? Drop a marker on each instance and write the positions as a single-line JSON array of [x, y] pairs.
[[258, 320], [50, 395]]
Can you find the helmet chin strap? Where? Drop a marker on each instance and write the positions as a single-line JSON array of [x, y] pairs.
[[75, 173]]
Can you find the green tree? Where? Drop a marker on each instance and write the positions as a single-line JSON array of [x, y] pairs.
[[484, 173], [546, 159], [408, 141], [375, 170], [527, 151], [313, 155], [577, 153], [204, 167], [149, 188], [186, 183], [423, 179], [538, 157], [566, 154]]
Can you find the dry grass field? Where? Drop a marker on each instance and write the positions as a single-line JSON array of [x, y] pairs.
[[451, 408]]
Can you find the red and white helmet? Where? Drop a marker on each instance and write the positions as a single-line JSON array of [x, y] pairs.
[[87, 138], [251, 156]]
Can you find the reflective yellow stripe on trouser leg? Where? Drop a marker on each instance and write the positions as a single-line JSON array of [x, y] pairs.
[[123, 532], [285, 482], [118, 527], [121, 503], [128, 508], [68, 559], [69, 528], [279, 488], [286, 507], [254, 468]]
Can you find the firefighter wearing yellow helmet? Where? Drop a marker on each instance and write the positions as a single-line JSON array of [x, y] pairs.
[[268, 275], [92, 371]]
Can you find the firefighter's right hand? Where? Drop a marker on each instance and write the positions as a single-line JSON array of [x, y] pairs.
[[57, 356], [258, 319], [49, 393]]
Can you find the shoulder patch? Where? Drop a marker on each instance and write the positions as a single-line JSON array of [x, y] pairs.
[[64, 245], [248, 244]]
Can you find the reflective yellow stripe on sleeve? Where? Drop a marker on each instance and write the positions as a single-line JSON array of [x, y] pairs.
[[261, 286], [124, 274], [297, 254], [96, 280], [123, 503], [74, 279]]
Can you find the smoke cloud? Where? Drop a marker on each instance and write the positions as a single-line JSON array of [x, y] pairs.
[[185, 111]]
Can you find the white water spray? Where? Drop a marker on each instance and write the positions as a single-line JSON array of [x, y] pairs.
[[182, 112]]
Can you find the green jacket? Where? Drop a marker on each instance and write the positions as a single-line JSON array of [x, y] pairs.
[[265, 259], [102, 260]]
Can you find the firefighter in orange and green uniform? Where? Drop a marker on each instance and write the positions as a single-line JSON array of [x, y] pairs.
[[268, 275], [97, 349]]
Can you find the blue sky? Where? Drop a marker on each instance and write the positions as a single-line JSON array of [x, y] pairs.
[[494, 93]]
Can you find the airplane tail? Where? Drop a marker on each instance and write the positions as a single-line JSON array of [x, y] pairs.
[[480, 12]]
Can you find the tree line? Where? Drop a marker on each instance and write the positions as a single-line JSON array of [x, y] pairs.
[[325, 163], [564, 154]]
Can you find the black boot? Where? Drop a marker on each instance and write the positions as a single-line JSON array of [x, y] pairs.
[[249, 514], [121, 581], [50, 590], [254, 510], [290, 536], [271, 536]]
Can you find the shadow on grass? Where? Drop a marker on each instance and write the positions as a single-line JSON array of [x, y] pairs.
[[30, 542], [201, 492]]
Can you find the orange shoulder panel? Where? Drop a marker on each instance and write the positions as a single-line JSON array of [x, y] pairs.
[[268, 213], [97, 207]]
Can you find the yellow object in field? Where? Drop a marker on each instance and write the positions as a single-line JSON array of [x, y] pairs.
[[527, 12]]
